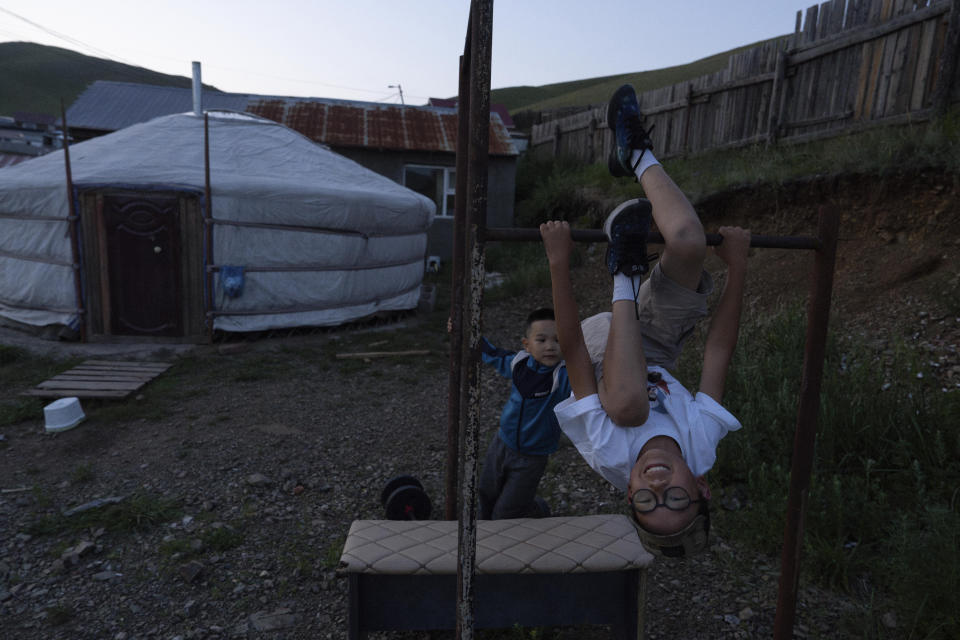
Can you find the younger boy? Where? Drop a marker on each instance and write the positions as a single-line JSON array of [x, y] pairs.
[[528, 433], [629, 418]]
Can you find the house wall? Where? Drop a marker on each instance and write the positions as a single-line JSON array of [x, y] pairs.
[[501, 188]]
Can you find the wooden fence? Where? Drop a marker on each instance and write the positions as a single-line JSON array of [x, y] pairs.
[[849, 65]]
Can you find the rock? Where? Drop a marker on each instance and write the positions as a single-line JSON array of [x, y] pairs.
[[191, 571], [258, 480], [104, 576], [93, 504], [279, 619], [69, 559], [746, 613], [84, 548]]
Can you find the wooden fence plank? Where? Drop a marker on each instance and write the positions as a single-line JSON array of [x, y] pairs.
[[924, 63], [897, 61], [866, 64], [908, 72], [876, 65], [902, 81], [887, 66]]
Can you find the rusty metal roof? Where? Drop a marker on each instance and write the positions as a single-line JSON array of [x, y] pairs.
[[337, 123]]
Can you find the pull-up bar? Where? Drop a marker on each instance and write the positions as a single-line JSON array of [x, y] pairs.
[[597, 235], [468, 274]]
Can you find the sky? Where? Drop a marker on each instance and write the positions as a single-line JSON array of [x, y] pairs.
[[372, 49]]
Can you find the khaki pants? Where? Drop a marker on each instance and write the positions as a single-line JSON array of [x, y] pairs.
[[668, 312]]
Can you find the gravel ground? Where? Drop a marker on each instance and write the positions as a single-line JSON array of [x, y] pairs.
[[247, 462]]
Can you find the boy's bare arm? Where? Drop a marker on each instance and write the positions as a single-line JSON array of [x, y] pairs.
[[725, 324], [558, 245]]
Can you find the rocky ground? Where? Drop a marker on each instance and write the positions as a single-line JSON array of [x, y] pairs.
[[231, 481]]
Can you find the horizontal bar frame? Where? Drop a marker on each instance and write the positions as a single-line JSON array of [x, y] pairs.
[[597, 235]]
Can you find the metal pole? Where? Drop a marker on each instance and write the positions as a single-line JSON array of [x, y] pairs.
[[197, 90], [74, 234], [597, 235], [456, 291], [481, 30], [818, 316], [208, 225]]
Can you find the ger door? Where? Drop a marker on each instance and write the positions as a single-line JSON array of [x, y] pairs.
[[143, 254]]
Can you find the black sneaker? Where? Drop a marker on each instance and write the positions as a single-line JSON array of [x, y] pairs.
[[626, 123], [626, 228]]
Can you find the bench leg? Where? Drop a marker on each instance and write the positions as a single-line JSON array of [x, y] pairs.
[[355, 630], [641, 602], [629, 625]]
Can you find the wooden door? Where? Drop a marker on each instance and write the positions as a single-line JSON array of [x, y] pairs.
[[143, 253]]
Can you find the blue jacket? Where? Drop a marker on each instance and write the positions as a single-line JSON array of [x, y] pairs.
[[527, 423]]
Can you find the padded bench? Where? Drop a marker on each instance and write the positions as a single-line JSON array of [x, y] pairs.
[[529, 572]]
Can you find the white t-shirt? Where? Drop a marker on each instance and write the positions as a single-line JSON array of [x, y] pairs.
[[697, 424]]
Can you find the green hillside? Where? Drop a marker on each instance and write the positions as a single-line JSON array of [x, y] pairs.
[[597, 90], [34, 78]]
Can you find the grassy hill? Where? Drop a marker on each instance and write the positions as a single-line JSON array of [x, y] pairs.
[[34, 78], [592, 91]]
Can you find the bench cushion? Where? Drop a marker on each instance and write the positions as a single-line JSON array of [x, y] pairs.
[[581, 544]]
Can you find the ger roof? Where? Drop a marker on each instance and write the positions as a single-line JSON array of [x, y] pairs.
[[110, 106]]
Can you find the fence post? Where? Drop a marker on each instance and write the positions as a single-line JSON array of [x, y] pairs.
[[947, 69]]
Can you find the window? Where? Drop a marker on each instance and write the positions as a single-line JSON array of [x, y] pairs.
[[437, 183]]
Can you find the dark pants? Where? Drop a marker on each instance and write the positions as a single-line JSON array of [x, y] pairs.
[[508, 482]]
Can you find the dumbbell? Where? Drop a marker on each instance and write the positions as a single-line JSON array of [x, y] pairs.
[[404, 499]]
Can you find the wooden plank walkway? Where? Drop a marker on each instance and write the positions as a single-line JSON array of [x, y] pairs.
[[100, 379]]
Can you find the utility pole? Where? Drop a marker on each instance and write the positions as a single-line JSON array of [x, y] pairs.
[[397, 86]]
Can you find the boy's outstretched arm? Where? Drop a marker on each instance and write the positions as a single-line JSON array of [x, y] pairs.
[[725, 324], [558, 245]]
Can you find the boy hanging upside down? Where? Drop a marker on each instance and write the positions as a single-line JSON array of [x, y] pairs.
[[630, 419]]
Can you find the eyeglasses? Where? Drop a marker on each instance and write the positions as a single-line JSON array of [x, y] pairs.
[[674, 498]]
